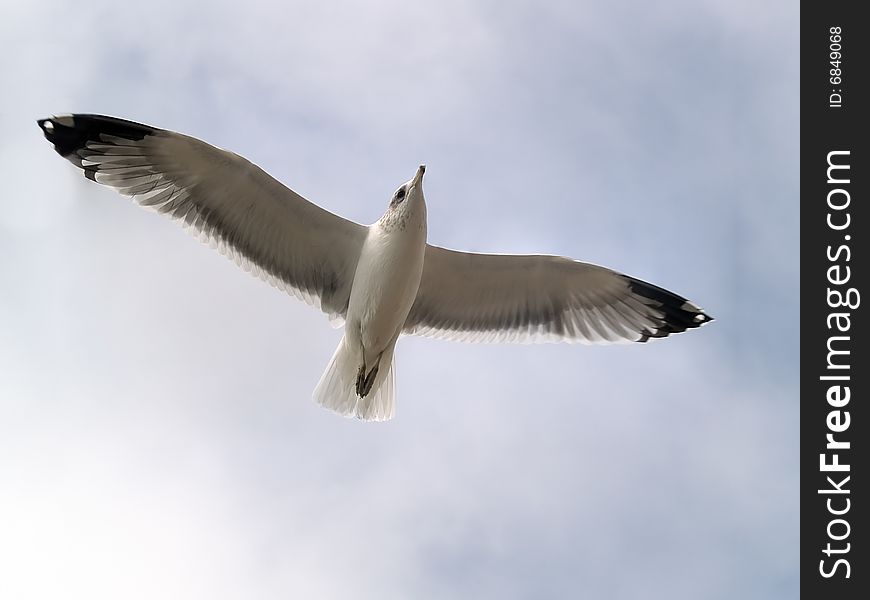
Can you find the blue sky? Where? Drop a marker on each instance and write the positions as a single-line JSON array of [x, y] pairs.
[[157, 433]]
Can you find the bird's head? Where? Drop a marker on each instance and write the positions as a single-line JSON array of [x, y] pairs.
[[407, 205], [410, 192]]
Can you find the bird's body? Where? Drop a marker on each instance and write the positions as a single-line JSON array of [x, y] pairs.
[[384, 289], [382, 280], [387, 276]]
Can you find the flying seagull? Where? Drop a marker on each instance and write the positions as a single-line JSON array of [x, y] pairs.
[[381, 280]]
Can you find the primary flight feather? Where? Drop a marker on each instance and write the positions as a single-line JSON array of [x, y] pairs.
[[382, 280]]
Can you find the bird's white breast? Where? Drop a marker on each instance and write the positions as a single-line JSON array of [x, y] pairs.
[[386, 281]]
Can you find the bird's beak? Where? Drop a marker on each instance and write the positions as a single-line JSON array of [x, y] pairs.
[[419, 176]]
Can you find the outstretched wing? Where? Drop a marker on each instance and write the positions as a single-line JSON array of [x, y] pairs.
[[230, 202], [494, 298]]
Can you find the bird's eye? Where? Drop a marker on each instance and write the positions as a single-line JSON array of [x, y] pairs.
[[400, 193]]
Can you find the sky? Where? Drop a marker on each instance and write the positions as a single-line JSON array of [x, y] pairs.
[[157, 433]]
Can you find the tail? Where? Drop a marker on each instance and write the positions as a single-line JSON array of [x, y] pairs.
[[338, 386]]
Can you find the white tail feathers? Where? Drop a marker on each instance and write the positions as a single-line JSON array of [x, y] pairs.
[[337, 388]]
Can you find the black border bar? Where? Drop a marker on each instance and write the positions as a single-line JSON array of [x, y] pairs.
[[835, 365]]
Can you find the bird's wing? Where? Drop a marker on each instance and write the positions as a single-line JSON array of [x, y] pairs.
[[493, 298], [228, 201]]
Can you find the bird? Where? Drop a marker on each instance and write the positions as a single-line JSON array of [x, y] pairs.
[[379, 281]]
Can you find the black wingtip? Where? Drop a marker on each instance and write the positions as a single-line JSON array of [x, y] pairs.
[[678, 314], [70, 133], [48, 128]]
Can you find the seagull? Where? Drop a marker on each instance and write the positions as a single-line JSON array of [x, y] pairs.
[[380, 281]]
